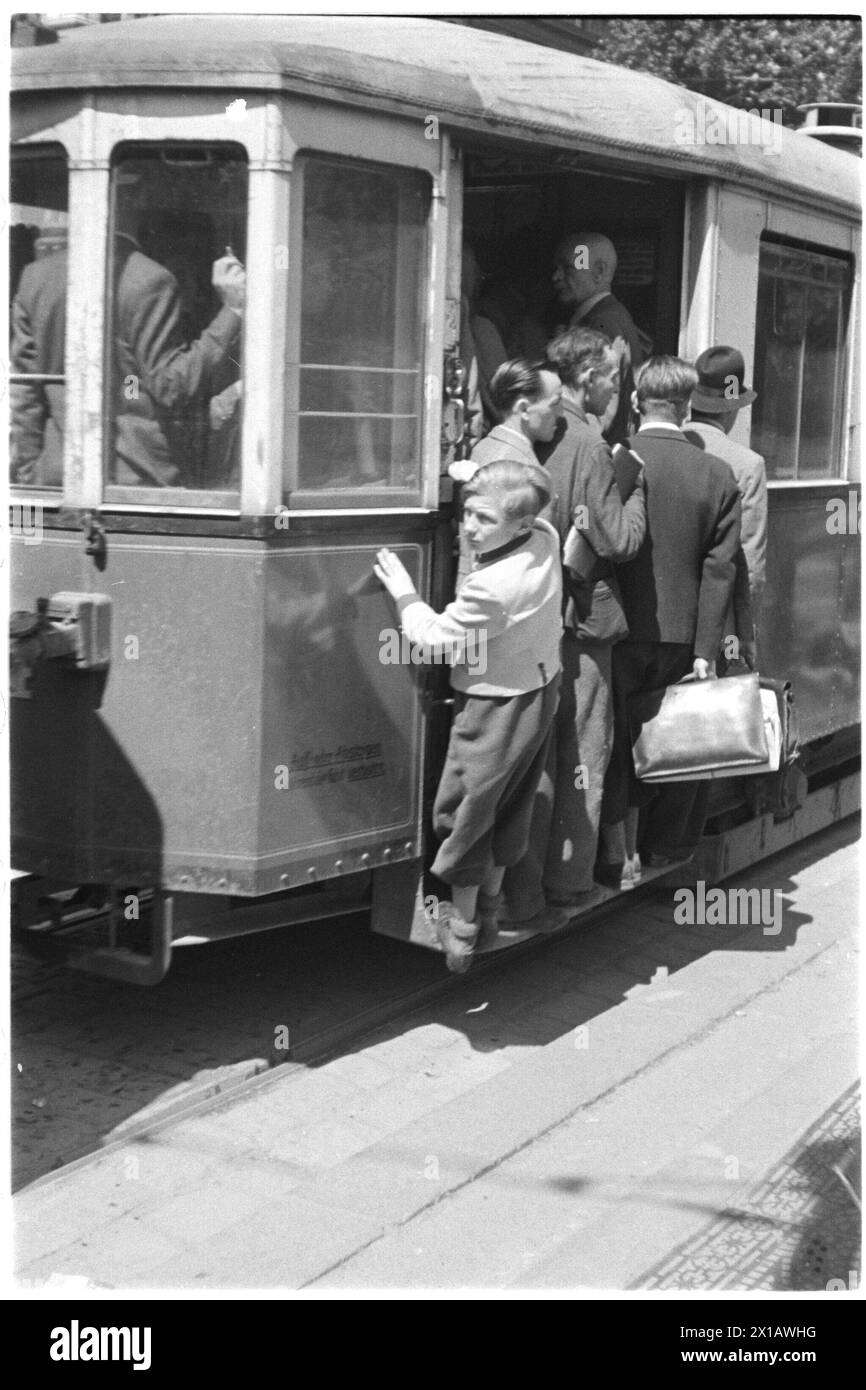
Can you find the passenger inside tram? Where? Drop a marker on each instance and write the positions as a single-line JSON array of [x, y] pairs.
[[175, 317], [158, 371], [38, 336], [481, 349], [174, 320], [584, 269]]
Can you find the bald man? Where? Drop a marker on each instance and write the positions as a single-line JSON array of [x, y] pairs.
[[583, 274]]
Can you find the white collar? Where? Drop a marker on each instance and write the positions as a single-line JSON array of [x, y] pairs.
[[658, 425], [520, 435]]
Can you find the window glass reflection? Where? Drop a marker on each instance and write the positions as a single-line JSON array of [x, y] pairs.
[[800, 361], [355, 397]]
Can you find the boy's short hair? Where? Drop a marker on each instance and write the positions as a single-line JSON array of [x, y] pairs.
[[522, 489], [663, 380], [511, 381], [576, 352]]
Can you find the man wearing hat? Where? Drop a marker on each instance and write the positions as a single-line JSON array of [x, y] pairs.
[[717, 400]]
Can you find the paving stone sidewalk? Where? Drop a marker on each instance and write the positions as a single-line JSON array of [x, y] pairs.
[[564, 1124]]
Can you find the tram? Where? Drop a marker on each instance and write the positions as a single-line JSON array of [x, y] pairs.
[[201, 715]]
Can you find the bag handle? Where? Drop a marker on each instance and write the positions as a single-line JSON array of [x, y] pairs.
[[691, 677]]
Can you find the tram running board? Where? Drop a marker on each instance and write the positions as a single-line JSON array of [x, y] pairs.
[[721, 856], [404, 902]]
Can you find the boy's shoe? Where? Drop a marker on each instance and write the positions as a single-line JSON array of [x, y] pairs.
[[457, 937]]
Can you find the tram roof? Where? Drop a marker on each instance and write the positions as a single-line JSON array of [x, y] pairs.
[[473, 81]]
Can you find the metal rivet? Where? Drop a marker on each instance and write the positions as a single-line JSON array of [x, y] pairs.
[[311, 871], [338, 865], [408, 847], [365, 859], [386, 852], [222, 883], [284, 878]]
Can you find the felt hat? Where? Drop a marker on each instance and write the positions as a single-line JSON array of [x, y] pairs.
[[720, 382]]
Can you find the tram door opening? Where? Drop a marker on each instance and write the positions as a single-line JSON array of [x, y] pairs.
[[517, 211]]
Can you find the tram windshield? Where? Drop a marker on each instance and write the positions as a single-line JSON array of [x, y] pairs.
[[354, 371], [38, 217], [174, 340]]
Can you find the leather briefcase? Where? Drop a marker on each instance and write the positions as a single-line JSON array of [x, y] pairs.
[[773, 730], [698, 728]]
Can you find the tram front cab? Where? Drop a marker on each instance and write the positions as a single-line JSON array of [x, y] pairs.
[[217, 498]]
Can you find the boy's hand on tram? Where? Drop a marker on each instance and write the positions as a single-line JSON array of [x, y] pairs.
[[393, 574], [703, 670], [229, 279]]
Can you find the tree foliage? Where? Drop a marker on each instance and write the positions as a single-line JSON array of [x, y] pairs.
[[743, 61]]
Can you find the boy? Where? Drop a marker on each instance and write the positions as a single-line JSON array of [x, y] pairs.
[[511, 602]]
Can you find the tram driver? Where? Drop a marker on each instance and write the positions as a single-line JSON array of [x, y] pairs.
[[157, 373]]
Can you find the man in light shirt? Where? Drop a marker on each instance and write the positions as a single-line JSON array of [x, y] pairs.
[[719, 397]]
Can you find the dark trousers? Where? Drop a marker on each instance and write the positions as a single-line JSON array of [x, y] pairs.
[[584, 736], [673, 815], [563, 837], [496, 754]]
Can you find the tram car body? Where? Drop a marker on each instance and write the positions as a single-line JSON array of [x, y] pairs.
[[205, 700]]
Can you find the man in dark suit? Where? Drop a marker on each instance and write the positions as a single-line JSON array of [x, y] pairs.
[[582, 277], [676, 593]]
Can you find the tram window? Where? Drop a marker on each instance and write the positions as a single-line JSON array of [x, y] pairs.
[[355, 350], [174, 348], [797, 420], [39, 218]]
